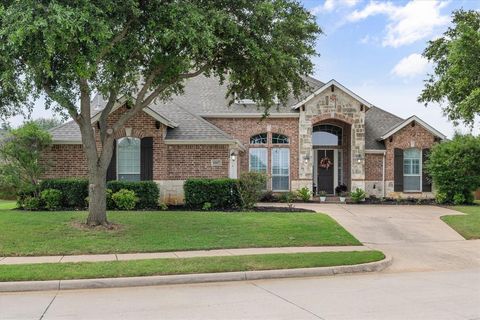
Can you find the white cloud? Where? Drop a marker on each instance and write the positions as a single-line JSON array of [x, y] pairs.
[[411, 66], [414, 21], [330, 5]]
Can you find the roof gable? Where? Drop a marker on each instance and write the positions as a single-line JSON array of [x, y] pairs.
[[402, 125]]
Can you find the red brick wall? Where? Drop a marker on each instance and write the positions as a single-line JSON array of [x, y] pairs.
[[194, 161], [243, 128], [408, 137], [65, 161], [169, 162], [373, 167]]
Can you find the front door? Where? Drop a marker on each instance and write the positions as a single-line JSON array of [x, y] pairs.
[[325, 171]]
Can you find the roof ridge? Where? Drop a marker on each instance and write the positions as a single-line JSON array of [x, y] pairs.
[[205, 121], [60, 125]]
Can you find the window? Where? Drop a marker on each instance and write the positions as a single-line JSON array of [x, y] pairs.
[[128, 159], [259, 139], [327, 135], [412, 170], [280, 169], [278, 138]]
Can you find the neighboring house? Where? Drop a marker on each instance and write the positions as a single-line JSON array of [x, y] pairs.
[[330, 137]]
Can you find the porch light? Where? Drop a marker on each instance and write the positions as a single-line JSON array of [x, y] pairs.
[[359, 158], [233, 156], [306, 159]]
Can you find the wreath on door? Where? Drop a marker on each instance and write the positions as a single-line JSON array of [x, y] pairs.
[[325, 162]]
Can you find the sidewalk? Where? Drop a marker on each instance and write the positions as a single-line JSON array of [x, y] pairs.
[[174, 254]]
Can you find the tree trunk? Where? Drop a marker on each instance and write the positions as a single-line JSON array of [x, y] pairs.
[[97, 208]]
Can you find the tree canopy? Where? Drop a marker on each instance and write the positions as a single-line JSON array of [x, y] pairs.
[[455, 82], [144, 50]]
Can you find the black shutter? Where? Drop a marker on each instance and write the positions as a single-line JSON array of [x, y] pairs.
[[426, 179], [146, 159], [112, 168], [398, 170]]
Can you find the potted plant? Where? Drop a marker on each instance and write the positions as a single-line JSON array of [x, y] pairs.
[[340, 188], [323, 196], [343, 196]]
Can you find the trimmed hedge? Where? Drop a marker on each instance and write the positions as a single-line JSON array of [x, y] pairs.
[[146, 191], [75, 191], [220, 193]]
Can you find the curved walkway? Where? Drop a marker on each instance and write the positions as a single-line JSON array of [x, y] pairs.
[[413, 235], [174, 254]]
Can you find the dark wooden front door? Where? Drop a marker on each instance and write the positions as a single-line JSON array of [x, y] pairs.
[[325, 176]]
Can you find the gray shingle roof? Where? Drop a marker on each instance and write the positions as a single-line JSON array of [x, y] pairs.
[[205, 96], [378, 122]]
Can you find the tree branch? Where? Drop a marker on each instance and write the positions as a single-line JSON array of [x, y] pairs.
[[62, 101], [119, 37]]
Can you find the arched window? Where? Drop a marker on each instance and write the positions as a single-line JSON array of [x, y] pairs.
[[128, 159], [327, 135], [412, 169], [278, 138], [259, 139]]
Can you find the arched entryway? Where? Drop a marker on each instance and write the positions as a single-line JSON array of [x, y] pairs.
[[331, 155]]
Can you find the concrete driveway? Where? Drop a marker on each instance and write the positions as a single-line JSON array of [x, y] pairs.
[[414, 235]]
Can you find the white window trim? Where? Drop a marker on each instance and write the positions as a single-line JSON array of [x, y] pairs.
[[271, 169], [250, 163], [117, 149], [420, 165]]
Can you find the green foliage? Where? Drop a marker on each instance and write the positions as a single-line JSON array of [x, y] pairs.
[[455, 169], [459, 198], [21, 151], [47, 123], [52, 198], [268, 196], [287, 197], [456, 60], [125, 199], [221, 193], [74, 191], [30, 203], [251, 186], [322, 193], [163, 206], [207, 206], [304, 194], [146, 191], [441, 197], [358, 195]]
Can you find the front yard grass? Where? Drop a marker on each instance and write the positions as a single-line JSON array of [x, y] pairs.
[[86, 270], [57, 233], [469, 225]]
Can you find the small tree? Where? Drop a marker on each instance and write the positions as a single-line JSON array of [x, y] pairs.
[[21, 150], [456, 57], [141, 51], [455, 168], [47, 123], [251, 186]]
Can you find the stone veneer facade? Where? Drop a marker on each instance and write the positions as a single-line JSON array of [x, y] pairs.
[[340, 106]]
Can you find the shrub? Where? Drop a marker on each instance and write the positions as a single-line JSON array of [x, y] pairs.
[[459, 198], [251, 186], [358, 195], [207, 206], [125, 199], [163, 206], [455, 169], [304, 194], [441, 197], [287, 197], [146, 191], [221, 193], [74, 191], [31, 203], [269, 196], [52, 198]]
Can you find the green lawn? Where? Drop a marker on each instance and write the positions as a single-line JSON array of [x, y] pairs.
[[8, 204], [468, 226], [54, 233], [60, 271]]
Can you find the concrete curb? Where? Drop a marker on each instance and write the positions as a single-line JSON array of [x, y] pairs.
[[19, 286]]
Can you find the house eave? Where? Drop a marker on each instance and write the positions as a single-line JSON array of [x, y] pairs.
[[405, 123], [249, 115]]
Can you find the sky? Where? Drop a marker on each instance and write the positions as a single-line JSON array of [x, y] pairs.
[[374, 48]]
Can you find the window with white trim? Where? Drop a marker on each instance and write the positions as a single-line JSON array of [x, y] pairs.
[[278, 138], [280, 169], [128, 159], [412, 169], [258, 160], [260, 138]]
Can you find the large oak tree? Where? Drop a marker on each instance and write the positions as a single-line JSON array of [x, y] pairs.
[[142, 50]]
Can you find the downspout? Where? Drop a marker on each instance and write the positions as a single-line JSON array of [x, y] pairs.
[[383, 171]]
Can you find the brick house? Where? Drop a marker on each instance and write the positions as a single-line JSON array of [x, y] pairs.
[[330, 136]]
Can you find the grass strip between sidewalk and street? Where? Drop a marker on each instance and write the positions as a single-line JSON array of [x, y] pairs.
[[468, 226], [132, 268]]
